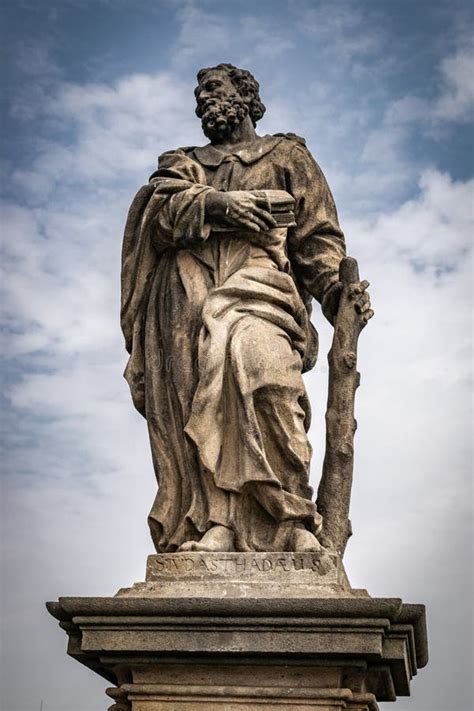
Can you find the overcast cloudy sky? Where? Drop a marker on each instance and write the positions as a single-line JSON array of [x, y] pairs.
[[95, 89]]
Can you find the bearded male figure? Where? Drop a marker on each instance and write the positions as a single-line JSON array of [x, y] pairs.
[[216, 302]]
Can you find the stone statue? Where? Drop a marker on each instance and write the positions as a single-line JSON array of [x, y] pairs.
[[246, 603], [223, 252]]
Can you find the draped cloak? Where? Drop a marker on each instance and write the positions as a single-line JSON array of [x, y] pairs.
[[218, 331]]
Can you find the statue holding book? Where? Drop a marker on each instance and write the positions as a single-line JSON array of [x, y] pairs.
[[224, 251], [246, 602]]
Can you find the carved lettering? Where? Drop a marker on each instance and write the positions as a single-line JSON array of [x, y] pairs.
[[189, 564], [226, 564], [212, 565], [298, 562], [159, 565], [300, 565], [285, 564], [240, 564]]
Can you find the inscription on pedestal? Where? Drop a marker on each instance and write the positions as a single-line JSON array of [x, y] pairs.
[[241, 565]]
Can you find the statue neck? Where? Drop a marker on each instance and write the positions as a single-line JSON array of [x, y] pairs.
[[243, 133]]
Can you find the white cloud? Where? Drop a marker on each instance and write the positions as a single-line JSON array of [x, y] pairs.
[[244, 40], [430, 232], [456, 101], [197, 25], [452, 103], [342, 28], [116, 132], [386, 168], [266, 41]]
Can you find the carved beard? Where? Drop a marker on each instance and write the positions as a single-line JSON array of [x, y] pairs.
[[220, 117]]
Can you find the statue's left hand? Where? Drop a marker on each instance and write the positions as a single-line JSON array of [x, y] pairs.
[[359, 295]]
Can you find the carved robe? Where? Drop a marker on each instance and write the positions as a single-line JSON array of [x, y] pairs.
[[217, 326]]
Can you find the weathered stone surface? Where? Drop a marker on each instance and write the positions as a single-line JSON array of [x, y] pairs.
[[243, 575], [246, 605], [247, 654], [223, 252]]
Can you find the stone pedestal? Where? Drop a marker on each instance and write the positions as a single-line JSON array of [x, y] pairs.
[[231, 632]]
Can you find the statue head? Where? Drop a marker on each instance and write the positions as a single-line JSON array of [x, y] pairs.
[[225, 95]]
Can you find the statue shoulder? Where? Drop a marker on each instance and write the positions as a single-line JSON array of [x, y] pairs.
[[174, 154], [293, 137], [297, 152], [180, 164], [172, 159], [294, 147]]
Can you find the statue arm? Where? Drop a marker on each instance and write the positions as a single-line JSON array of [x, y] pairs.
[[316, 244], [184, 209], [176, 212]]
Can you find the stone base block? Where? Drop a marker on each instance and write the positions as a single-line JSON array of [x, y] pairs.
[[153, 698], [243, 632], [242, 654], [243, 575]]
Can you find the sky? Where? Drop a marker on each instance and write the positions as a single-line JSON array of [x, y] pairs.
[[94, 91]]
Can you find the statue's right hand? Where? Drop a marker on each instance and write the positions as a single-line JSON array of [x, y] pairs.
[[239, 209]]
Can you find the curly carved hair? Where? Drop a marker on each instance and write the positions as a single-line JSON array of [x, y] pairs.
[[246, 85]]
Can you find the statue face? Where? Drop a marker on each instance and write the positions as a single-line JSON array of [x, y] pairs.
[[219, 105], [215, 86]]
